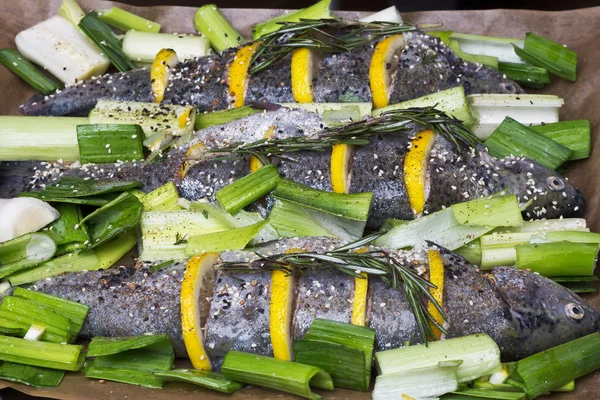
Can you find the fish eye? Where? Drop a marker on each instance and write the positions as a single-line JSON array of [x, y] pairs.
[[574, 311], [555, 183]]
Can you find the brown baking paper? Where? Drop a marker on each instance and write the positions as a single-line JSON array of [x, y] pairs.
[[579, 30]]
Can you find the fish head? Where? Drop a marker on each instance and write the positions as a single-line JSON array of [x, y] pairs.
[[551, 195], [545, 314]]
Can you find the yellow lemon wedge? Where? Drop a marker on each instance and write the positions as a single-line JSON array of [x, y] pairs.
[[436, 277], [341, 167], [415, 170], [359, 303], [160, 72], [196, 284], [305, 66], [238, 73], [281, 314], [382, 67]]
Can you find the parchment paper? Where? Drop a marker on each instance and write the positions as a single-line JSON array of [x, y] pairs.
[[579, 30]]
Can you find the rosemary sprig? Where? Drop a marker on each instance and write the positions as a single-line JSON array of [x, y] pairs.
[[333, 35], [377, 262], [359, 133]]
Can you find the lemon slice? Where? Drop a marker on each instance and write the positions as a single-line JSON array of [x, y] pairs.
[[305, 66], [383, 66], [160, 73], [436, 277], [415, 170], [341, 167], [238, 73], [359, 303], [281, 314], [196, 285]]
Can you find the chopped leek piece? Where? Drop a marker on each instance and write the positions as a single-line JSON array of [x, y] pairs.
[[495, 211], [513, 138], [529, 109], [294, 220], [471, 251], [204, 120], [70, 10], [39, 138], [125, 20], [479, 353], [390, 14], [364, 109], [341, 117], [59, 47], [206, 379], [74, 311], [318, 10], [285, 376], [440, 227], [161, 230], [25, 70], [416, 383], [352, 206], [483, 59], [451, 101], [27, 312], [343, 350], [163, 198], [104, 346], [154, 118], [31, 248], [101, 257], [574, 135], [131, 359], [68, 228], [65, 357], [35, 332], [104, 38], [391, 223], [552, 368], [143, 46], [211, 22], [79, 187], [112, 219], [104, 143], [524, 74], [32, 376], [232, 239], [545, 53], [68, 263], [558, 258], [500, 48], [248, 189]]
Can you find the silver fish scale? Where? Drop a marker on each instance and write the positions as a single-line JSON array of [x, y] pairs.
[[239, 315], [324, 294]]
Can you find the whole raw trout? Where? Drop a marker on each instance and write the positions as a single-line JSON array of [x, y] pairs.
[[424, 66], [452, 175], [523, 312]]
